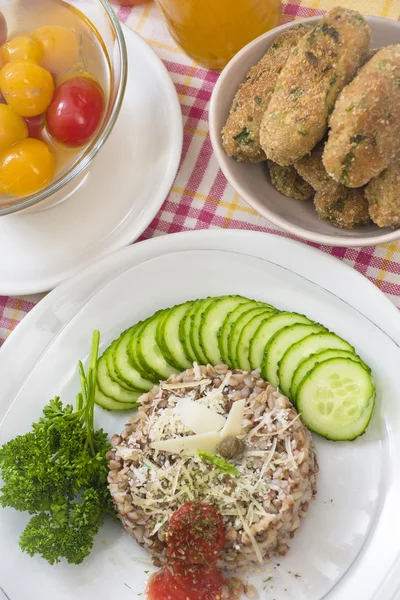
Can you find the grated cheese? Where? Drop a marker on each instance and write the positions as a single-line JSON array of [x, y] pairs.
[[197, 417], [184, 384], [189, 444], [267, 462], [196, 371], [234, 422], [215, 398], [290, 454], [172, 473], [127, 453], [253, 540]]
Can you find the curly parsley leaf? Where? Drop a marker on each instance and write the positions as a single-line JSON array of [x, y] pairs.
[[58, 473]]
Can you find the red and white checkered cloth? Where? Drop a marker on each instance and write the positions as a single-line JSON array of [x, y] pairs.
[[201, 198]]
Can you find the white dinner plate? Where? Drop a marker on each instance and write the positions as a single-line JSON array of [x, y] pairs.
[[127, 183], [347, 547]]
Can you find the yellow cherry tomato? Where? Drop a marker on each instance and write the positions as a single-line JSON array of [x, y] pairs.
[[26, 168], [26, 87], [13, 128], [60, 46], [22, 47]]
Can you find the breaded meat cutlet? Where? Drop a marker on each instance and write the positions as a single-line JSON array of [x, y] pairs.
[[322, 63], [288, 182], [346, 208], [312, 170], [383, 195], [343, 207], [241, 134], [365, 123]]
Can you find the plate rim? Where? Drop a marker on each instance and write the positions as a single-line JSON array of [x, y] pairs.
[[49, 282], [183, 240]]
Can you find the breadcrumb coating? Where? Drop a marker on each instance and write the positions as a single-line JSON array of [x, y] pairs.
[[383, 195], [322, 63], [288, 182], [241, 134], [365, 123]]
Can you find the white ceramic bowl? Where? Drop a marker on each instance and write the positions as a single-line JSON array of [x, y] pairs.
[[251, 181]]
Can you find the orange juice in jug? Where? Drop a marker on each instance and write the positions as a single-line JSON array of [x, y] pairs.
[[213, 31]]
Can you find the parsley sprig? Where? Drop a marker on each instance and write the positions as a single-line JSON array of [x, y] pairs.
[[58, 473]]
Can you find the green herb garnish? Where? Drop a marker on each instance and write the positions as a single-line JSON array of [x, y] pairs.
[[296, 92], [330, 31], [348, 159], [338, 205], [357, 139], [359, 18], [58, 473], [257, 100], [350, 107], [243, 137], [220, 463], [312, 59]]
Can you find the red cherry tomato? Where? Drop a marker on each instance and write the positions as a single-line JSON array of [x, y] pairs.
[[3, 29], [75, 111], [35, 126]]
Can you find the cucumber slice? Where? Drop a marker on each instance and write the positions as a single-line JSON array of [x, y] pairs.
[[123, 367], [149, 352], [168, 337], [278, 345], [109, 387], [227, 325], [336, 399], [265, 332], [197, 318], [133, 354], [112, 371], [185, 327], [110, 404], [211, 324], [309, 363], [246, 335], [236, 330], [298, 352]]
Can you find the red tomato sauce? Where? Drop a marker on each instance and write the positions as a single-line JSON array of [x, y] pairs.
[[195, 537], [165, 585]]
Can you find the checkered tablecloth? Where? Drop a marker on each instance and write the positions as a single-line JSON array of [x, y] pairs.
[[201, 198]]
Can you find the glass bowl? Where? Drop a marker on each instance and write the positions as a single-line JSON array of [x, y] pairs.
[[102, 16]]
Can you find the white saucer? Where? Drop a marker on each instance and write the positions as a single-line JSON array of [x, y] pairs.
[[125, 188]]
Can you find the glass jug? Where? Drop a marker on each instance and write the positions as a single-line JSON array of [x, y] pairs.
[[213, 31]]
